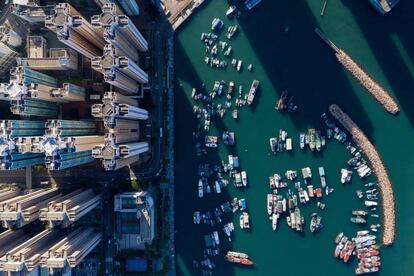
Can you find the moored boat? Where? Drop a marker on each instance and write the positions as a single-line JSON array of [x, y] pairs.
[[302, 140], [200, 188], [358, 220], [252, 91], [269, 204], [231, 10], [274, 221], [244, 178], [273, 142]]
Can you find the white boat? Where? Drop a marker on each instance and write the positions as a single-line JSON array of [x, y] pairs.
[[216, 24], [273, 142], [345, 176], [302, 140], [235, 114], [289, 144], [252, 91], [274, 221], [211, 141], [322, 176], [218, 187], [231, 10], [370, 203], [200, 188], [216, 237], [231, 161], [239, 64], [305, 193], [269, 204], [244, 178], [244, 221]]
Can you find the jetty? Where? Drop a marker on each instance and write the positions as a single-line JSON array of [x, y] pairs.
[[178, 11], [384, 183], [375, 89]]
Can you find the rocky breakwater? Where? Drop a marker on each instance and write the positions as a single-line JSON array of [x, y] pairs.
[[386, 191]]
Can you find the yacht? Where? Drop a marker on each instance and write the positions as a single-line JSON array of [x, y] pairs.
[[272, 142], [274, 221], [231, 10], [269, 204], [244, 178]]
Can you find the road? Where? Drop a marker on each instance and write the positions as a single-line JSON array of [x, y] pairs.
[[108, 230]]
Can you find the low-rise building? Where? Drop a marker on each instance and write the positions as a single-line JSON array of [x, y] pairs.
[[134, 220]]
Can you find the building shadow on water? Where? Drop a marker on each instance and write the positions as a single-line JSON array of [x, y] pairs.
[[382, 33], [190, 237], [295, 59]]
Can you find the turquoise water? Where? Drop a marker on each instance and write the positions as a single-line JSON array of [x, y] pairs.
[[298, 61]]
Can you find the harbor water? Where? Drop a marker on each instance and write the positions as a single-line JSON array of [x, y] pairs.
[[277, 38]]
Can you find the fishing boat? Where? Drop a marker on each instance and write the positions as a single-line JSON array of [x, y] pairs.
[[358, 220], [320, 205], [310, 191], [237, 254], [252, 91], [269, 204], [318, 192], [315, 223], [302, 140], [312, 139], [244, 178], [235, 114], [244, 221], [239, 65], [231, 10], [281, 103], [228, 51], [273, 142], [228, 228], [360, 193], [200, 188], [345, 176], [322, 176], [359, 213], [243, 261], [339, 237], [216, 237], [216, 24], [275, 217]]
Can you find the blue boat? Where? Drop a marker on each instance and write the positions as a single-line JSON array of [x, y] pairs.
[[250, 4]]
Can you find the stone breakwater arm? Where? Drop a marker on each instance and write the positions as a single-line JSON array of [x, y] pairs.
[[387, 194], [376, 90]]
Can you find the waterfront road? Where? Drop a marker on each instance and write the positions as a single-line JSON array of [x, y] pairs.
[[158, 88]]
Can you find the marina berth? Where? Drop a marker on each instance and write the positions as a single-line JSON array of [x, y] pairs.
[[384, 182]]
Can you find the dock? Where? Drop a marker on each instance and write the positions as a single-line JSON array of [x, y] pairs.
[[178, 11], [376, 90], [384, 183]]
